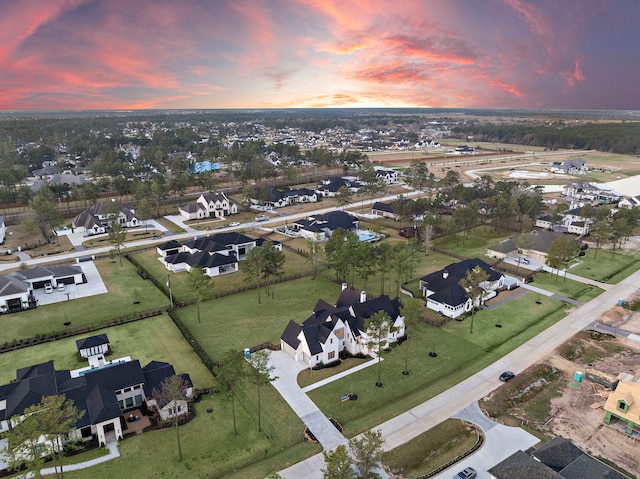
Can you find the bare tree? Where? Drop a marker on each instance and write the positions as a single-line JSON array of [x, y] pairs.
[[173, 391]]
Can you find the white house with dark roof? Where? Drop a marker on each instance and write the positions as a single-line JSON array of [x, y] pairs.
[[332, 329], [217, 255], [443, 293], [271, 197], [93, 348], [209, 205], [329, 188], [627, 203], [99, 218], [103, 392], [321, 226], [569, 167]]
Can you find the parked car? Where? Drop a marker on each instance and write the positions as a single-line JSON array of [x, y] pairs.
[[466, 473], [61, 287], [522, 260], [234, 223], [262, 218], [507, 376], [48, 288]]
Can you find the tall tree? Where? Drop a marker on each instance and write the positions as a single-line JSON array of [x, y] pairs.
[[173, 391], [472, 284], [46, 213], [117, 236], [365, 263], [340, 249], [344, 197], [418, 174], [273, 265], [143, 211], [412, 312], [366, 450], [384, 255], [561, 254], [233, 371], [253, 267], [314, 258], [338, 464], [262, 373], [39, 433], [198, 283], [377, 330]]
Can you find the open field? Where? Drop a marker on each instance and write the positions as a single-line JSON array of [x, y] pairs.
[[150, 339], [475, 246], [125, 289], [239, 321]]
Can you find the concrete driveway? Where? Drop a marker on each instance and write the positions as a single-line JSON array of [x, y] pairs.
[[286, 372]]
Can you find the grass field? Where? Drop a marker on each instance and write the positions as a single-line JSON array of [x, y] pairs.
[[476, 245], [146, 340], [239, 321], [605, 266], [294, 264], [431, 449], [124, 285], [565, 287]]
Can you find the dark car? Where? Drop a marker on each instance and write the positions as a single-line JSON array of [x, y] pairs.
[[466, 473], [507, 376]]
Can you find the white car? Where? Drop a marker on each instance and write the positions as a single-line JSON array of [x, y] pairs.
[[234, 223], [48, 288], [61, 287]]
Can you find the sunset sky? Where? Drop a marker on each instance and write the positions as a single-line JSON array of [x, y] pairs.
[[146, 54]]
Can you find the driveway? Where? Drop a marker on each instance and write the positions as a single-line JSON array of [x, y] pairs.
[[286, 372]]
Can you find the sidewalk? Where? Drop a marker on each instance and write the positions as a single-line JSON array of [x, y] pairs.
[[113, 454]]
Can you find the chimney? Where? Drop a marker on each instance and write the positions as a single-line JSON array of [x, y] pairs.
[[363, 296], [445, 274], [344, 286]]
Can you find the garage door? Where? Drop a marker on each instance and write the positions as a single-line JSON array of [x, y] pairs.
[[67, 280], [40, 284]]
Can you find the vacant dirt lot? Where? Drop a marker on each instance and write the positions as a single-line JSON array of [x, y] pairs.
[[578, 414]]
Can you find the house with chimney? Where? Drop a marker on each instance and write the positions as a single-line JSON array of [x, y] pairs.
[[103, 390], [443, 293], [209, 205], [341, 327], [99, 218]]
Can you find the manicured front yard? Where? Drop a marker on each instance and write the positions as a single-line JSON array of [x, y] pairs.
[[127, 293], [565, 287], [459, 355], [605, 266]]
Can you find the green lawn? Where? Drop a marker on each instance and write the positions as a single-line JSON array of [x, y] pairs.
[[294, 264], [607, 267], [565, 287], [476, 245], [460, 354], [431, 449], [239, 321], [209, 447], [150, 339], [124, 286]]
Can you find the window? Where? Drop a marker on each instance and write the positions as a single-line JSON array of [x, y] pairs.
[[137, 387], [127, 390], [622, 405], [128, 402], [332, 355]]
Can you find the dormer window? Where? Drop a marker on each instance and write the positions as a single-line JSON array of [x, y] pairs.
[[623, 406]]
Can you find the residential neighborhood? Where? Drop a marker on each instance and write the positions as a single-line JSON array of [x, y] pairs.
[[492, 266]]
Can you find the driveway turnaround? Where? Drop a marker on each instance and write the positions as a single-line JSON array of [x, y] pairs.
[[410, 424]]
